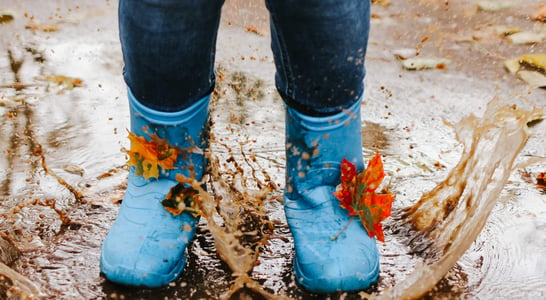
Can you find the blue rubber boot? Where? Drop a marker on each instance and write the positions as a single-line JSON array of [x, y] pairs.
[[146, 245], [315, 147]]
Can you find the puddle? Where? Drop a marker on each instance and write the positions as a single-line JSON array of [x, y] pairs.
[[483, 238]]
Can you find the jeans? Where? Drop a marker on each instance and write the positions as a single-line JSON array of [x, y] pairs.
[[319, 47]]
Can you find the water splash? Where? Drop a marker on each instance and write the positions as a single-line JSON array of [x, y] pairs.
[[237, 221], [233, 203], [452, 215]]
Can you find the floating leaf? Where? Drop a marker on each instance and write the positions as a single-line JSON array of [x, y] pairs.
[[62, 82], [357, 195], [416, 63], [147, 156], [491, 33], [494, 5], [68, 82], [536, 60], [41, 27], [530, 68], [533, 78], [5, 18], [506, 30], [73, 169], [526, 37]]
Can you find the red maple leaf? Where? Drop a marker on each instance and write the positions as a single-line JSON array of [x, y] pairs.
[[357, 195]]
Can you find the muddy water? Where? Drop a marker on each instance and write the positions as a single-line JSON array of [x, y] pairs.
[[64, 131]]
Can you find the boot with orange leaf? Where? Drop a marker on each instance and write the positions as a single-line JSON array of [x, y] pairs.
[[146, 245], [333, 229]]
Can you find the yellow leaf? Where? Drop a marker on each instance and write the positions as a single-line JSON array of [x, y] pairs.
[[150, 169], [45, 28], [537, 60], [147, 156], [68, 82]]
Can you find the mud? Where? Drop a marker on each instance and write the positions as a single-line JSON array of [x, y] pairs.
[[53, 218]]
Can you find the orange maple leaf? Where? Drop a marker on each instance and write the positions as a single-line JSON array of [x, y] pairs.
[[357, 195], [147, 156]]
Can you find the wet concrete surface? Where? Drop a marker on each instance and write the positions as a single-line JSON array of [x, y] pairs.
[[62, 166]]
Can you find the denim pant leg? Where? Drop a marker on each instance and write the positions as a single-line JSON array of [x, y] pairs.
[[169, 48], [319, 48]]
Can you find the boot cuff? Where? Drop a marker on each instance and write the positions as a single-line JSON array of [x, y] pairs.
[[167, 118], [325, 123]]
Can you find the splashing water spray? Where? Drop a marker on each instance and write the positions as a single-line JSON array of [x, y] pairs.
[[449, 218]]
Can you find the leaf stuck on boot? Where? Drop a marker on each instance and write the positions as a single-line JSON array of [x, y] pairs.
[[357, 195], [180, 199], [147, 156]]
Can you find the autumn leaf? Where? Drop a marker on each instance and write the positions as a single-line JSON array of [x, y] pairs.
[[344, 194], [61, 83], [74, 169], [41, 27], [420, 63], [147, 156], [180, 199], [66, 82], [530, 68], [535, 60], [5, 18], [357, 195]]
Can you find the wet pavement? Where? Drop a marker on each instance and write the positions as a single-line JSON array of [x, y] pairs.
[[62, 168]]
